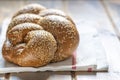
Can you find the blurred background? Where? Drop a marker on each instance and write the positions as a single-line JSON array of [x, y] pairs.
[[81, 11]]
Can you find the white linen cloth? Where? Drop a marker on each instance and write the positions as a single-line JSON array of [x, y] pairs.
[[89, 56]]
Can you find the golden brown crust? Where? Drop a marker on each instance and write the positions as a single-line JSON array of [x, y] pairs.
[[37, 36], [38, 51], [31, 18], [65, 34], [32, 8], [17, 33], [47, 12]]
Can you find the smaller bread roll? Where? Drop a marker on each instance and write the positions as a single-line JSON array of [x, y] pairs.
[[31, 8]]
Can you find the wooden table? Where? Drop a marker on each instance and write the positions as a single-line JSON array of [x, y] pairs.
[[104, 15]]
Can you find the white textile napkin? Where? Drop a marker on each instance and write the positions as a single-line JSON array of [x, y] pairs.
[[89, 56]]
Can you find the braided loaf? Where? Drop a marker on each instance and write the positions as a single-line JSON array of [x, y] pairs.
[[37, 36]]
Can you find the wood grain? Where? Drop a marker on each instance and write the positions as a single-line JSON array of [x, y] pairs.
[[93, 14], [1, 77], [112, 16], [6, 76], [41, 76], [6, 10], [116, 28]]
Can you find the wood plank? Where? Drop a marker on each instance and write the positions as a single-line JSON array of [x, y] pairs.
[[1, 76], [42, 76], [6, 10], [86, 76], [112, 10], [108, 76], [98, 76], [73, 75], [56, 4], [93, 14], [7, 76]]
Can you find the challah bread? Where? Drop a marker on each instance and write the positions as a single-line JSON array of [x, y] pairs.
[[37, 36]]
